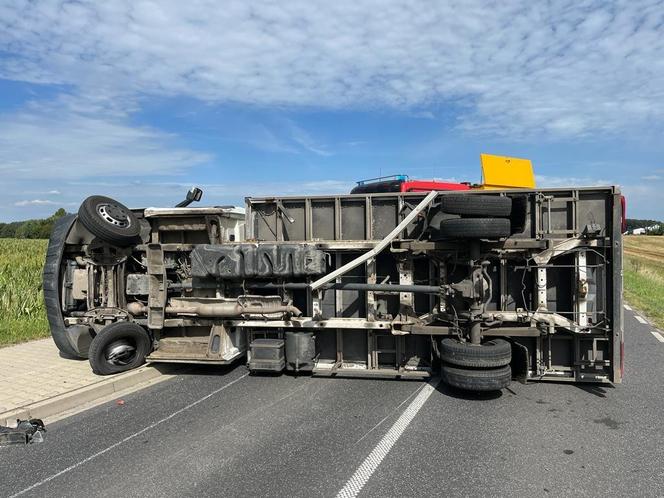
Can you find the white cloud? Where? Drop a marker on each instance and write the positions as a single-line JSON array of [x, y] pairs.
[[304, 139], [568, 181], [651, 177], [643, 201], [35, 202], [70, 139], [565, 68]]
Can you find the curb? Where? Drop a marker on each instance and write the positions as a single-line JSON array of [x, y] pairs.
[[77, 397]]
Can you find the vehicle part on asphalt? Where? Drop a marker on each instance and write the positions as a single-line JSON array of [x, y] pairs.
[[119, 347], [493, 379], [486, 206], [475, 228], [109, 220], [489, 354], [26, 432]]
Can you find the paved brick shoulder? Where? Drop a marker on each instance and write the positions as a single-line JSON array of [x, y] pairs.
[[36, 381]]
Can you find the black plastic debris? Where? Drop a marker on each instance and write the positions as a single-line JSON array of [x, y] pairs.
[[26, 432]]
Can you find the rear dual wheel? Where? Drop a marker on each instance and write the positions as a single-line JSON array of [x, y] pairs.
[[485, 206], [480, 380], [473, 216], [476, 367], [475, 228]]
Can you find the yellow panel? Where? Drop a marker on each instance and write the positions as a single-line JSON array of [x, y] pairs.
[[501, 172]]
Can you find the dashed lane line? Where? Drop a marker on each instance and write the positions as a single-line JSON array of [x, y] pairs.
[[641, 319], [364, 472], [627, 307], [128, 438], [657, 335]]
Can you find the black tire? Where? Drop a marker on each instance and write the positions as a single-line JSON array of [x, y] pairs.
[[109, 220], [491, 354], [51, 286], [119, 347], [477, 380], [519, 213], [433, 228], [491, 206], [475, 228]]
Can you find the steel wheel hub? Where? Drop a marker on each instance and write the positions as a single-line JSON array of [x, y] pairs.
[[120, 353], [114, 215]]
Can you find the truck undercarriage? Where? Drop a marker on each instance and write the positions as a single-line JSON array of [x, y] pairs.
[[482, 286]]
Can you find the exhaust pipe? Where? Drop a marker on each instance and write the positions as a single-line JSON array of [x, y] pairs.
[[218, 310]]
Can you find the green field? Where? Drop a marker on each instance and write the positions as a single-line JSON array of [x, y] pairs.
[[22, 315], [644, 275]]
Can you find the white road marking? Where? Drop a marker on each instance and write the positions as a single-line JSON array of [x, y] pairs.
[[391, 413], [657, 335], [128, 438], [641, 319], [364, 472], [627, 307]]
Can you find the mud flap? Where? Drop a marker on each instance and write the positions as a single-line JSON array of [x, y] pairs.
[[520, 362]]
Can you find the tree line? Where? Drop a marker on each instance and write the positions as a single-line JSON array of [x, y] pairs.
[[30, 229], [654, 227]]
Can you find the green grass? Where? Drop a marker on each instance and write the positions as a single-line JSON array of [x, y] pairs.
[[22, 313], [644, 276]]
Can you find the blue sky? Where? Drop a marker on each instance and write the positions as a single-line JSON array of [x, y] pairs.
[[139, 100]]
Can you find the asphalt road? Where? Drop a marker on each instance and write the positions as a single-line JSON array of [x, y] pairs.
[[222, 433]]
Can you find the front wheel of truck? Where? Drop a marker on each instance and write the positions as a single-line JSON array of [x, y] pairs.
[[119, 347], [109, 220]]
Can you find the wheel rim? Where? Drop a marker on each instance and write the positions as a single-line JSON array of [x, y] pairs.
[[120, 353], [114, 215]]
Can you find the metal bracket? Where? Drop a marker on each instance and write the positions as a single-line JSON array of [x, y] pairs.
[[379, 247]]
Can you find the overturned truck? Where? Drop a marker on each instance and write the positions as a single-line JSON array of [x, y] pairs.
[[480, 287]]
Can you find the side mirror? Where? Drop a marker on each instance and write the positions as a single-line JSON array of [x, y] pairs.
[[194, 195]]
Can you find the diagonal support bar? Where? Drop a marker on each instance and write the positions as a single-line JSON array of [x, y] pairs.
[[379, 247]]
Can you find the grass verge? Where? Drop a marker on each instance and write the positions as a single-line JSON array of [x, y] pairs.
[[22, 313], [644, 275]]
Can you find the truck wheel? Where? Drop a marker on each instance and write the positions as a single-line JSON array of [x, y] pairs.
[[475, 228], [493, 379], [477, 205], [119, 347], [109, 220], [491, 354]]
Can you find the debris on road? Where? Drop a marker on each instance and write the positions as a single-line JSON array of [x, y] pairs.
[[26, 432]]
